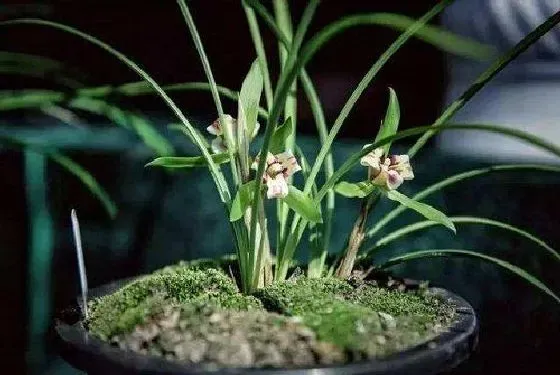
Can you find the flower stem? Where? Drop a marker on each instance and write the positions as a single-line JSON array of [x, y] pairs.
[[356, 237]]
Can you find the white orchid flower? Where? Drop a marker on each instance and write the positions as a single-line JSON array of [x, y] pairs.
[[278, 169], [387, 172], [218, 144]]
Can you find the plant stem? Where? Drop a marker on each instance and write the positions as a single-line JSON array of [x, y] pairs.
[[284, 23], [284, 83], [356, 237], [317, 263]]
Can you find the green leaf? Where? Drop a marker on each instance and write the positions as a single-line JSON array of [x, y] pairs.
[[278, 140], [242, 201], [423, 209], [301, 203], [326, 34], [354, 190], [451, 180], [71, 166], [87, 179], [391, 123], [355, 157], [250, 96], [411, 228], [33, 98], [471, 254], [182, 129], [485, 77], [216, 173], [40, 67], [145, 130], [186, 161]]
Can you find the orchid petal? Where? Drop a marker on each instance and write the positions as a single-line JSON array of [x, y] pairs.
[[218, 145], [276, 187]]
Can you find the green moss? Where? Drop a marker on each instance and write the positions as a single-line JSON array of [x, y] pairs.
[[424, 307], [366, 321], [362, 321], [122, 310], [225, 263]]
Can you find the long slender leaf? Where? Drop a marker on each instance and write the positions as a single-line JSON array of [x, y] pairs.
[[261, 53], [438, 37], [411, 228], [317, 41], [128, 120], [71, 166], [298, 227], [203, 57], [391, 215], [87, 179], [32, 98], [63, 115], [215, 172], [181, 128], [186, 161], [485, 77], [242, 201], [423, 209], [317, 112], [354, 158], [423, 254], [317, 263], [354, 190], [284, 24], [303, 205], [307, 52], [39, 67], [285, 82], [250, 96], [280, 135], [228, 131], [391, 123]]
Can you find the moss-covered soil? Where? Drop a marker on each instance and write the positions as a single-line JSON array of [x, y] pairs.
[[194, 313]]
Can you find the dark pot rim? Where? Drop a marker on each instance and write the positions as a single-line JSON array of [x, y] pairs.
[[94, 356]]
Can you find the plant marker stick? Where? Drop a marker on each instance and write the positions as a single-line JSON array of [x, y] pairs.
[[80, 255]]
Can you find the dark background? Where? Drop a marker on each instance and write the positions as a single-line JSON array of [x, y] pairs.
[[518, 326]]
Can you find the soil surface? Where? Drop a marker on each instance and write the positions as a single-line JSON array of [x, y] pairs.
[[195, 314]]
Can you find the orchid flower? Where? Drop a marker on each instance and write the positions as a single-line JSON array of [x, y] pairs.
[[388, 172], [218, 144], [278, 169]]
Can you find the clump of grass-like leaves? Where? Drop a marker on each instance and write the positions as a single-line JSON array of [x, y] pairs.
[[258, 177]]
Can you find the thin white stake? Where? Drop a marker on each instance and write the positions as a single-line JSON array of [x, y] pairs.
[[80, 255]]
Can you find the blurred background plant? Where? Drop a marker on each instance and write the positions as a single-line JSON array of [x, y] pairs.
[[161, 220]]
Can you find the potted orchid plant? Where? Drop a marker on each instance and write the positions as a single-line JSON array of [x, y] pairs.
[[262, 308]]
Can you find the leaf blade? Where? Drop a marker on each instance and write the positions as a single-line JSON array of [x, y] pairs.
[[401, 232], [280, 135], [471, 254], [87, 179], [186, 161], [391, 215], [423, 209], [250, 96], [301, 203], [242, 201], [354, 190], [392, 118]]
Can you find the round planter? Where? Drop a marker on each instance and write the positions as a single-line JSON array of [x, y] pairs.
[[95, 357]]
